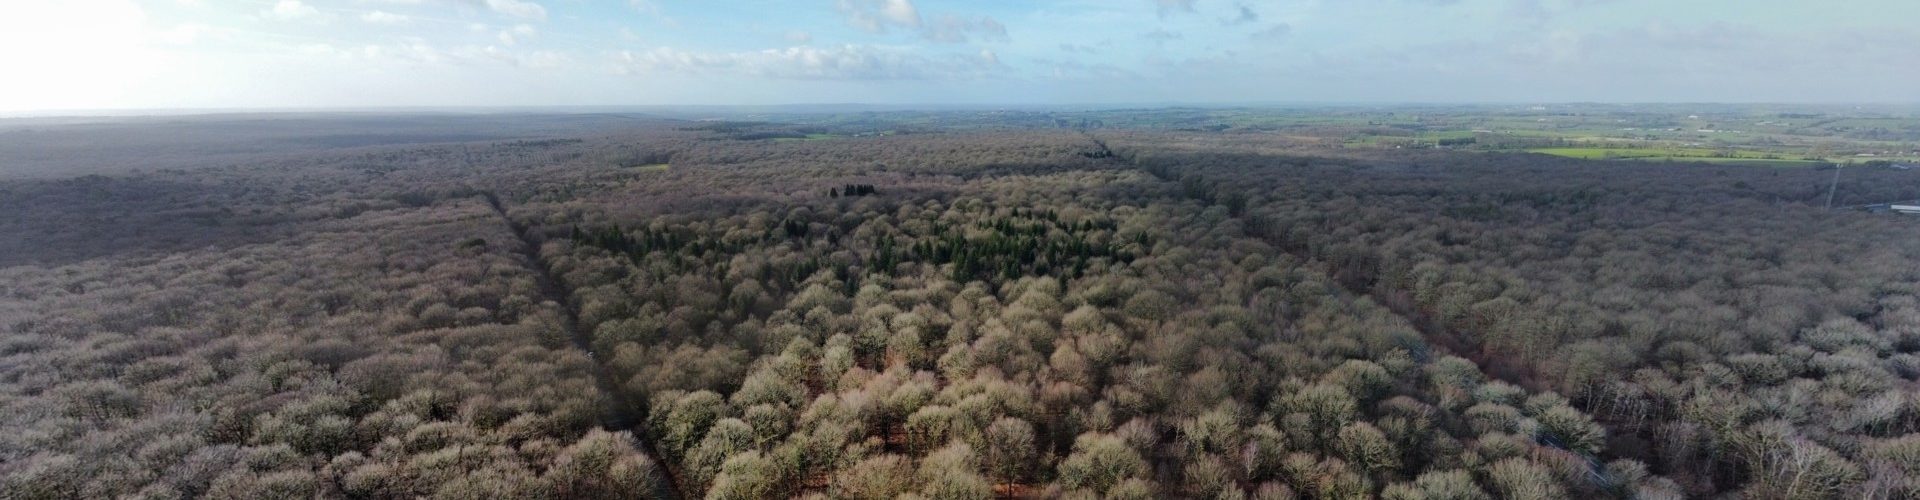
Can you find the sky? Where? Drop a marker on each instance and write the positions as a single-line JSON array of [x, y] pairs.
[[242, 54]]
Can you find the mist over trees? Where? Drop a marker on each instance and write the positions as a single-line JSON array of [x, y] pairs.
[[687, 310]]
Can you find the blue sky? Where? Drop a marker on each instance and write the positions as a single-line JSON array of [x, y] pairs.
[[121, 54]]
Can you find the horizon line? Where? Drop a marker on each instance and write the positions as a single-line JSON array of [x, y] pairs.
[[890, 107]]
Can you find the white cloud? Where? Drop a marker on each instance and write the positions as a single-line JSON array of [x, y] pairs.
[[539, 59], [955, 29], [292, 10], [901, 11], [542, 59], [419, 52], [875, 16], [878, 16], [516, 34], [518, 8], [411, 51], [846, 62], [386, 18]]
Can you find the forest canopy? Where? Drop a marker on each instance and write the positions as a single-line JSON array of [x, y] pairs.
[[679, 309]]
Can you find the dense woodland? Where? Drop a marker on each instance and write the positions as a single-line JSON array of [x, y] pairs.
[[677, 310]]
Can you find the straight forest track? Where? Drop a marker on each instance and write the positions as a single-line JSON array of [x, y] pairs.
[[1439, 337], [618, 414]]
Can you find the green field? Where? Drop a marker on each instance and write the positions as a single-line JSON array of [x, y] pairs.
[[809, 137], [1759, 135], [1658, 152], [1749, 162], [1753, 158]]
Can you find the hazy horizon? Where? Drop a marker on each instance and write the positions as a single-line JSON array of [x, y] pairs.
[[852, 107], [159, 55]]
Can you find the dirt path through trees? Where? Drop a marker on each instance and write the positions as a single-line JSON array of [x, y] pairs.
[[1359, 282], [619, 414]]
